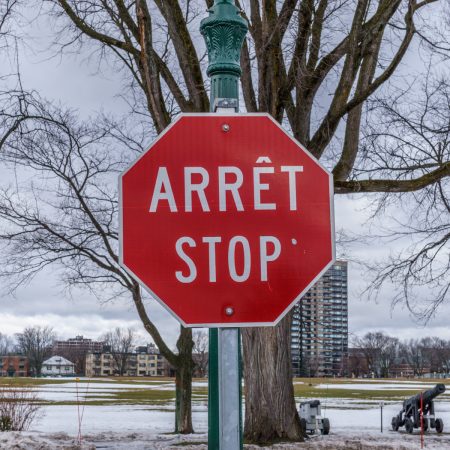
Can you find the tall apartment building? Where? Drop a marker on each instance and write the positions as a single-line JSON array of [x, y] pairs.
[[319, 343], [77, 344], [75, 349]]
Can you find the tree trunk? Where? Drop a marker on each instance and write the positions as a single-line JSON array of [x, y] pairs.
[[183, 383], [270, 410], [38, 368]]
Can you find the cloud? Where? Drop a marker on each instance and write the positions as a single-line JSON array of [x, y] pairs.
[[43, 303], [76, 83]]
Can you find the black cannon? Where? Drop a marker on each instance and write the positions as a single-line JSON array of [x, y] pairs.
[[410, 414]]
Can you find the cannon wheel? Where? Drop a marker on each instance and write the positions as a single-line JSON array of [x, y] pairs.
[[439, 425], [325, 426], [394, 423], [409, 425]]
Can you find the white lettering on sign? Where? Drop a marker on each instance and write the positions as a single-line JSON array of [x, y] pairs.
[[197, 180], [212, 241], [199, 188], [264, 256], [292, 170], [236, 244], [163, 182], [232, 259], [258, 187], [191, 266], [232, 187]]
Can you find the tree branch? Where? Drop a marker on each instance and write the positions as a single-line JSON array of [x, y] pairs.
[[360, 186]]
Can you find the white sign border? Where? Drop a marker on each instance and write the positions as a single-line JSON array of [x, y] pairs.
[[228, 324]]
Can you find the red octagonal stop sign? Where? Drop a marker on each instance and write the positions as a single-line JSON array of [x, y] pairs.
[[226, 220]]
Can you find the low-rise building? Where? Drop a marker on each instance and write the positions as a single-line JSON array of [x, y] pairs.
[[14, 366], [99, 364], [58, 366], [150, 365], [139, 364]]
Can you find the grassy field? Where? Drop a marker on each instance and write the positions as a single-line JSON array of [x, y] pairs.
[[308, 388], [28, 381], [160, 391], [121, 390]]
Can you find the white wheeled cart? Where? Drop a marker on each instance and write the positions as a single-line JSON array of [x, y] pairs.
[[311, 418]]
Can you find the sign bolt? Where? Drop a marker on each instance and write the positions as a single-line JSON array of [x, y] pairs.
[[225, 127], [229, 311]]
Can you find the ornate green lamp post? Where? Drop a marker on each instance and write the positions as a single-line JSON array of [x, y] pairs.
[[224, 32]]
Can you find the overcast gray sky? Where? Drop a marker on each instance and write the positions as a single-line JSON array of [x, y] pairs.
[[74, 82]]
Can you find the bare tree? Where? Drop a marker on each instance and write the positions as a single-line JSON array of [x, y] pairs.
[[120, 343], [428, 354], [417, 355], [389, 353], [378, 353], [312, 363], [36, 344], [200, 352], [379, 350], [369, 345], [357, 362], [312, 65], [6, 13], [19, 407], [66, 214], [413, 133], [6, 344], [440, 349]]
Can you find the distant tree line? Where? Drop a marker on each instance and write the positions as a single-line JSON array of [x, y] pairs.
[[33, 342], [38, 344], [380, 355]]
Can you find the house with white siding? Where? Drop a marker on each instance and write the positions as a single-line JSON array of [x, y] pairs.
[[57, 365]]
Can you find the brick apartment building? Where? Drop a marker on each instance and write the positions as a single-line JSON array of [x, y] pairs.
[[78, 343], [14, 366]]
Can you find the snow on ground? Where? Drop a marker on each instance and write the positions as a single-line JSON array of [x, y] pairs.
[[71, 391], [378, 386], [380, 381], [350, 440], [355, 424], [104, 419]]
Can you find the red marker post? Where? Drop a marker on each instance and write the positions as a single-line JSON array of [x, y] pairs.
[[421, 420]]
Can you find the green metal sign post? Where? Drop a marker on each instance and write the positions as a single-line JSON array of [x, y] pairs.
[[224, 32]]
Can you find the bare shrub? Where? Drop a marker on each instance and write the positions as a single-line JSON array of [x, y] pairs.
[[19, 407]]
